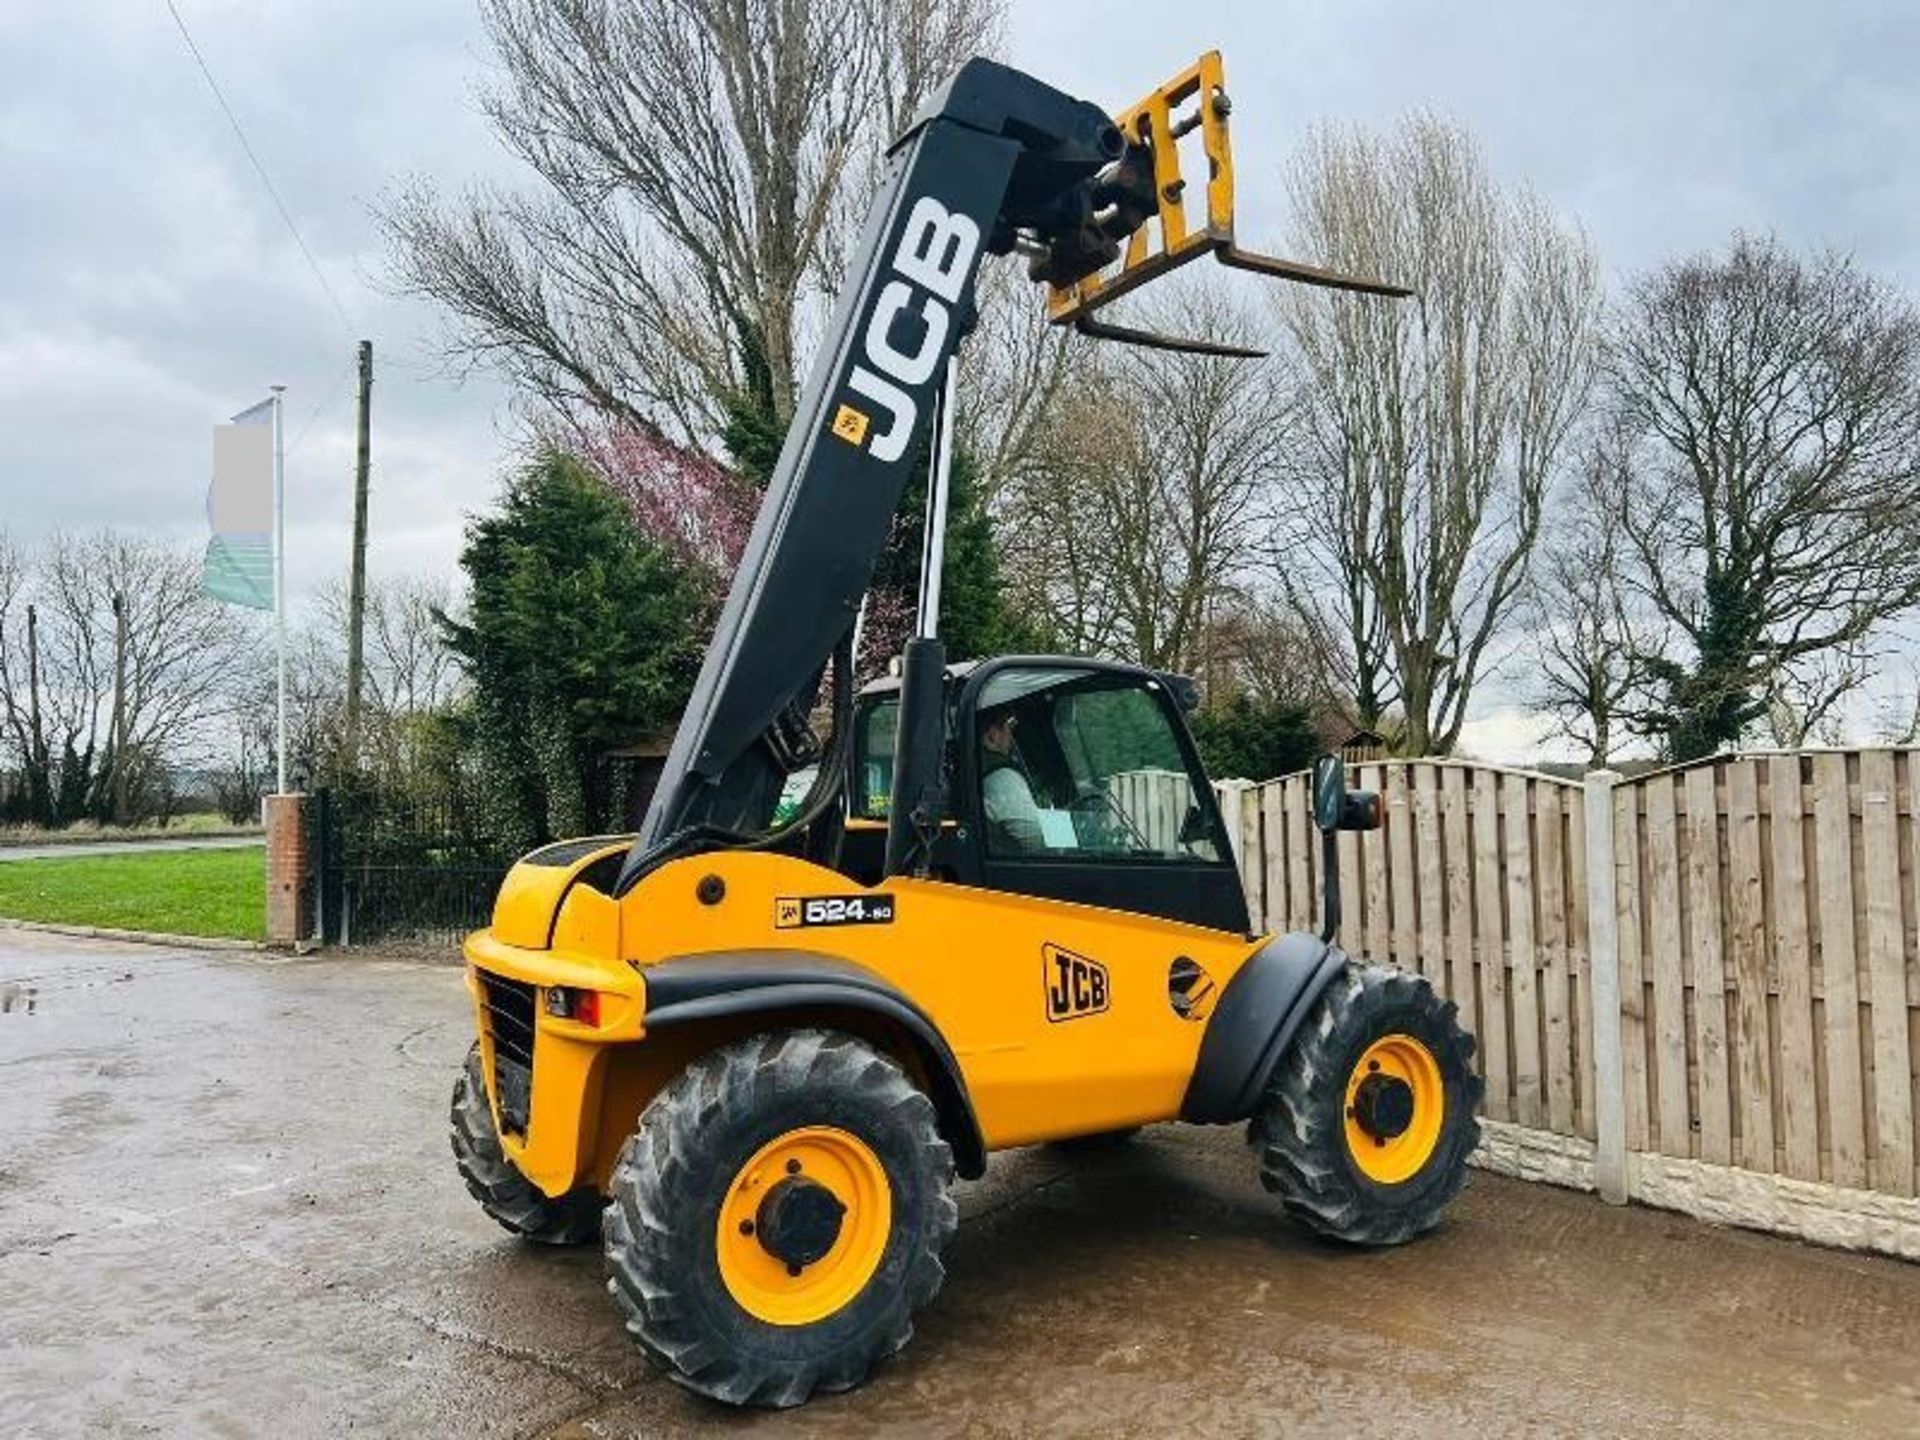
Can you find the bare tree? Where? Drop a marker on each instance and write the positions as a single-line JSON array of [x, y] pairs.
[[1591, 637], [1770, 485], [413, 670], [411, 677], [696, 162], [23, 746], [1435, 423], [186, 657], [1133, 523], [1805, 704], [1016, 369], [1322, 559]]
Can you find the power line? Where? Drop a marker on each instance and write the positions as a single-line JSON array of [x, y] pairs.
[[333, 393], [259, 169]]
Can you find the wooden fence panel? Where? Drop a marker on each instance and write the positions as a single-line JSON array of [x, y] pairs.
[[1768, 944], [1491, 944], [1840, 1009], [1516, 810], [1792, 963], [1400, 826], [1373, 864], [1663, 948], [1554, 979], [1456, 827], [1273, 860], [1707, 971], [1746, 937], [1299, 860], [1430, 955], [1353, 897]]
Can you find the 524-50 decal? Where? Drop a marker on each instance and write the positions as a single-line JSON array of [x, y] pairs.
[[798, 912]]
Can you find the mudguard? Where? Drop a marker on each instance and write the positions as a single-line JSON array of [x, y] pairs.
[[1258, 1015], [692, 988]]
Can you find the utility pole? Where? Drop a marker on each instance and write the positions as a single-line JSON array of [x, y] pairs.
[[357, 586], [119, 708], [39, 782]]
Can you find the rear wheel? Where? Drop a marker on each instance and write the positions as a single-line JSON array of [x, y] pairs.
[[778, 1217], [503, 1192], [1366, 1129]]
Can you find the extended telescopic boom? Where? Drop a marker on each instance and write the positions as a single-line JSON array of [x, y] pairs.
[[996, 161]]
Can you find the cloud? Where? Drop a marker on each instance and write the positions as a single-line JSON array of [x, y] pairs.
[[148, 288]]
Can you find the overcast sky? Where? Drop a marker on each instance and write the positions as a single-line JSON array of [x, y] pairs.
[[148, 288]]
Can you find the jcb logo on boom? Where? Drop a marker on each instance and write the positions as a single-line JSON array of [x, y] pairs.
[[933, 260], [1075, 985]]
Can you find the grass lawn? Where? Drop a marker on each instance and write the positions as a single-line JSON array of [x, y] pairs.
[[179, 892]]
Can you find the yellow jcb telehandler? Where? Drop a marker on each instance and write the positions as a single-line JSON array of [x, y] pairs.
[[749, 1057]]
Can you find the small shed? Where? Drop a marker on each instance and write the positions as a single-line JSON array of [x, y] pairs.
[[1363, 747]]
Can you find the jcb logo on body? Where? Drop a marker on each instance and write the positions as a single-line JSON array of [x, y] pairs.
[[1075, 985], [933, 259]]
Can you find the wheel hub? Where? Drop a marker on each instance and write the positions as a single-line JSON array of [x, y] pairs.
[[799, 1221], [1383, 1106], [804, 1225], [1396, 1108]]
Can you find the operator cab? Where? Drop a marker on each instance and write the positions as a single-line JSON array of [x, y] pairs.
[[1066, 778]]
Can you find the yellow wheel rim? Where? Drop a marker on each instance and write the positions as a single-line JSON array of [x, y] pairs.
[[1396, 1103], [786, 1291]]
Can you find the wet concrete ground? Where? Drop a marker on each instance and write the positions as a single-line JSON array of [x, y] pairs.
[[227, 1208]]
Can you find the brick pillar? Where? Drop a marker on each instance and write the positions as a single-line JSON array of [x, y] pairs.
[[288, 918]]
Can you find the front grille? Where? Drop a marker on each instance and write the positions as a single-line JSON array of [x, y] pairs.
[[509, 1009]]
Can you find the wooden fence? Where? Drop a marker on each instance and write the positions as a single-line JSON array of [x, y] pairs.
[[1739, 987]]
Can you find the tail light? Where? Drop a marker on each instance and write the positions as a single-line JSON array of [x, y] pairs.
[[566, 1003]]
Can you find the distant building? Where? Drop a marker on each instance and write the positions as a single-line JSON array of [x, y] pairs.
[[1363, 747]]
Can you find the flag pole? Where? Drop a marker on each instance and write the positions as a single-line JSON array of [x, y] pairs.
[[280, 590]]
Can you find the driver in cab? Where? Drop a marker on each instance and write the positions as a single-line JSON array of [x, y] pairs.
[[1012, 814]]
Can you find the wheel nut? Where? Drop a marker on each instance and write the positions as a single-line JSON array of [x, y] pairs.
[[746, 1227], [794, 1271], [793, 1167]]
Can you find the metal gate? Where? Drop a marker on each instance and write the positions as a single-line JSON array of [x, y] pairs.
[[392, 871]]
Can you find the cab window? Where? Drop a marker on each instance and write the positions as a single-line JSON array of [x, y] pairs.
[[1085, 767], [872, 783]]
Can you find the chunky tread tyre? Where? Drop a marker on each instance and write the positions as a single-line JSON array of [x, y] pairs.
[[1300, 1130], [503, 1192], [674, 1174]]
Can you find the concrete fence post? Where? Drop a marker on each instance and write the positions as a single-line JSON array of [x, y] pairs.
[[1603, 959], [286, 817]]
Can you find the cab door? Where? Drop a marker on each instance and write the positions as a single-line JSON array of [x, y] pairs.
[[1122, 815]]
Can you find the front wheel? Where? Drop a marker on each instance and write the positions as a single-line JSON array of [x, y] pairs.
[[1365, 1130], [778, 1217]]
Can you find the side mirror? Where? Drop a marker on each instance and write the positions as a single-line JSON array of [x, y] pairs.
[[1329, 793], [1337, 808]]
